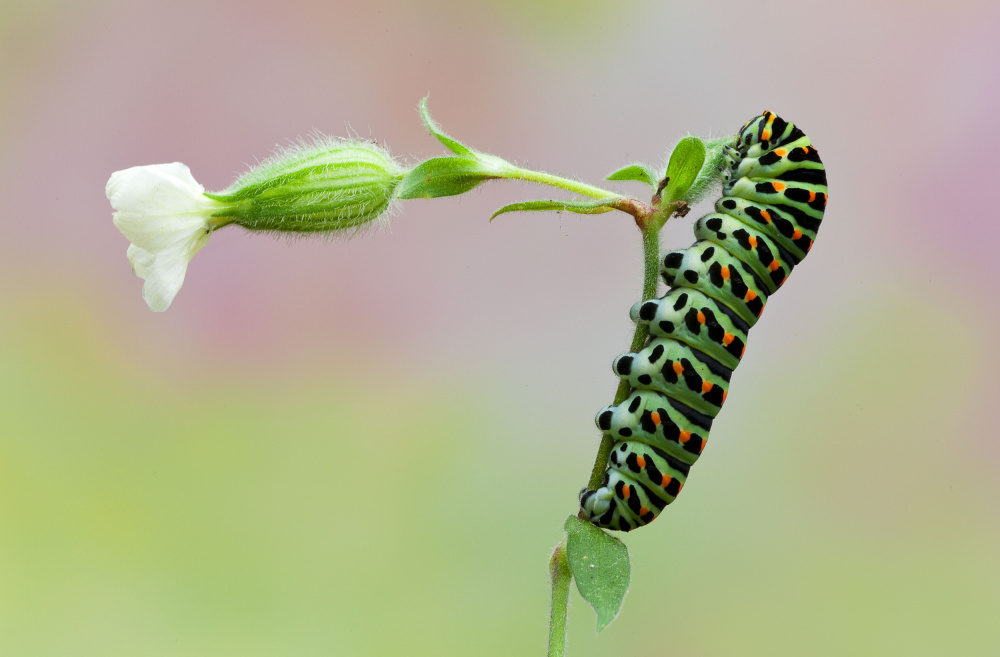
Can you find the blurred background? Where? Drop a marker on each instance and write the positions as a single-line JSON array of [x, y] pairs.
[[369, 447]]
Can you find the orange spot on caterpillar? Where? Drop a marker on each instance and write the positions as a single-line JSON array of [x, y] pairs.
[[796, 234], [725, 273], [824, 200], [753, 242], [655, 417], [724, 394], [750, 295], [727, 338], [774, 265], [766, 134], [679, 487], [812, 196], [640, 461], [626, 492], [766, 215], [780, 152], [743, 351], [783, 279], [706, 386], [685, 436], [678, 368], [701, 318], [805, 150], [665, 481], [643, 510], [778, 186]]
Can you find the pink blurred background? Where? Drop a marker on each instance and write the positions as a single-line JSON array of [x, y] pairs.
[[369, 447]]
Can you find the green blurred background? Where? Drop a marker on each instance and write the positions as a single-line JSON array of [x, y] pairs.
[[369, 448]]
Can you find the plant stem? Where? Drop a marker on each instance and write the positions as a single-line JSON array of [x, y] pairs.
[[561, 579], [650, 220], [517, 173], [651, 269]]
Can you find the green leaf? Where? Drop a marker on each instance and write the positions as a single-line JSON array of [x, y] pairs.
[[686, 162], [710, 173], [445, 176], [600, 566], [454, 146], [580, 207], [636, 172]]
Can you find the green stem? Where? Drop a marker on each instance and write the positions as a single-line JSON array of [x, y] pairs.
[[517, 173], [650, 220], [561, 579], [651, 270]]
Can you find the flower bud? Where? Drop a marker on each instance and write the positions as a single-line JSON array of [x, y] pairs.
[[331, 185]]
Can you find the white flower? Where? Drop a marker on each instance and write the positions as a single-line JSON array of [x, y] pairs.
[[163, 211], [333, 186]]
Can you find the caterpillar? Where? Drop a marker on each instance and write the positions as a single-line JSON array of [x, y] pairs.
[[774, 194]]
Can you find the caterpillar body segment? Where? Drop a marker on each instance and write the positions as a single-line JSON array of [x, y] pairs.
[[694, 318], [767, 260], [720, 275], [673, 368], [778, 223], [774, 196]]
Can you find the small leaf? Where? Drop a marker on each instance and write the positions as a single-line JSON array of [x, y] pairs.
[[580, 207], [444, 176], [600, 566], [711, 171], [636, 172], [686, 162], [454, 146]]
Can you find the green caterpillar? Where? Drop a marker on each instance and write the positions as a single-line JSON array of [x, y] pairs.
[[774, 195]]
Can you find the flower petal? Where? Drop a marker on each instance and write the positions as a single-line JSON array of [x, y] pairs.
[[163, 211], [142, 189], [140, 259], [164, 271], [154, 205]]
